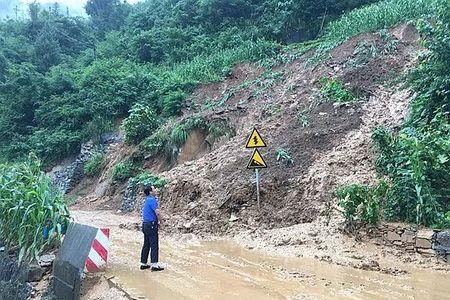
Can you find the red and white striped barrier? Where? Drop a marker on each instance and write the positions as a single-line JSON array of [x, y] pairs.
[[98, 255]]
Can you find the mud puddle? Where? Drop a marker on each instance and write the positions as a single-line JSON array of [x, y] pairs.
[[197, 269], [223, 270]]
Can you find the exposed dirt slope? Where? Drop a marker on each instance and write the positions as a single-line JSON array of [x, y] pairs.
[[333, 148], [329, 143]]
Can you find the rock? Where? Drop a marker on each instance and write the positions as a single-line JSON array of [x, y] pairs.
[[427, 234], [370, 264], [393, 236], [233, 218], [35, 273], [442, 242], [408, 236], [427, 252], [129, 197], [423, 243], [100, 190], [46, 260], [66, 178]]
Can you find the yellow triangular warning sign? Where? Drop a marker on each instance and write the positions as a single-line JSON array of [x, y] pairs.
[[256, 162], [255, 140]]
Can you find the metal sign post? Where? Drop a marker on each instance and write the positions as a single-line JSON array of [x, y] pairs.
[[256, 162], [257, 188]]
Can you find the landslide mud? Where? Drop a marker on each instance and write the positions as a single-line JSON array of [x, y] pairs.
[[221, 269]]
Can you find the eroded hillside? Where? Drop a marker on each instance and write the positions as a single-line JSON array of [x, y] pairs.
[[326, 141]]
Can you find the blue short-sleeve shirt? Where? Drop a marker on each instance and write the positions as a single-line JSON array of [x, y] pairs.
[[150, 205]]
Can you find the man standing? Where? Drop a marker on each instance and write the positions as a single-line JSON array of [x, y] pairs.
[[151, 220]]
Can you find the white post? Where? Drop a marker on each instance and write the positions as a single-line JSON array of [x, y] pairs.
[[257, 188]]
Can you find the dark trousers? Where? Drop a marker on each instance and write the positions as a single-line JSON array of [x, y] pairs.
[[150, 231]]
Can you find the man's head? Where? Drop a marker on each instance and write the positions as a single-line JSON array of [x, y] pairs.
[[150, 190]]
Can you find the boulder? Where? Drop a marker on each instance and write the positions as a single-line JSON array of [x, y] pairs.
[[423, 243], [393, 236], [408, 236], [424, 238]]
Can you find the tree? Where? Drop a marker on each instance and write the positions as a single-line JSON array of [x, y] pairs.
[[107, 15]]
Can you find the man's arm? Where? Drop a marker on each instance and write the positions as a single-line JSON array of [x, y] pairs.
[[159, 215]]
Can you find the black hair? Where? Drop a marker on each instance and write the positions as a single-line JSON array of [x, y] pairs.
[[148, 189]]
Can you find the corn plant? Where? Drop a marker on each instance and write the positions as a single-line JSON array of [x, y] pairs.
[[362, 203], [28, 203]]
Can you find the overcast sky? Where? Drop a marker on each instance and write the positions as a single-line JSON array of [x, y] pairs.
[[76, 7]]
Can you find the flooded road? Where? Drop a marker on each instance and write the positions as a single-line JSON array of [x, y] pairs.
[[224, 270]]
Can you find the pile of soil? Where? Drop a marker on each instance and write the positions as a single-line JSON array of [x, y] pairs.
[[328, 144], [216, 194]]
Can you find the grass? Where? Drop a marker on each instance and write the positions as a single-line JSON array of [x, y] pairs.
[[334, 90], [383, 14], [377, 16]]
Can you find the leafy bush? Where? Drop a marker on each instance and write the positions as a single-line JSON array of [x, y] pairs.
[[180, 132], [146, 179], [28, 203], [220, 128], [418, 162], [95, 164], [173, 102], [140, 124], [362, 203], [335, 90], [157, 142], [417, 159], [123, 171]]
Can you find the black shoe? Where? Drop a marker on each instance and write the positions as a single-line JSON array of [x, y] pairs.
[[145, 267], [155, 269]]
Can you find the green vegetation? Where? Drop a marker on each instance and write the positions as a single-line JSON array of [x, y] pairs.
[[416, 159], [147, 179], [64, 80], [123, 171], [141, 123], [362, 203], [380, 15], [95, 164], [283, 156], [334, 90], [28, 203]]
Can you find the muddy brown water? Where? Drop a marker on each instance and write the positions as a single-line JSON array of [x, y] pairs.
[[222, 269]]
